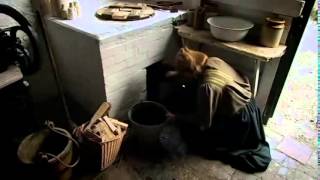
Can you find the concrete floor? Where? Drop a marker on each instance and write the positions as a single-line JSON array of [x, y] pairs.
[[295, 118]]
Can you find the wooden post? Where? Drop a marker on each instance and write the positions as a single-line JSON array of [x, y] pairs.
[[46, 8]]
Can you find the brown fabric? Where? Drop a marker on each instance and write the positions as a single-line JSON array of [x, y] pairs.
[[223, 91], [190, 61]]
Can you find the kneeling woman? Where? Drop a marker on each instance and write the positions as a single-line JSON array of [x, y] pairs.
[[226, 123]]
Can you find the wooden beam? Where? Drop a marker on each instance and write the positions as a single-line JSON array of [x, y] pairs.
[[11, 75], [291, 8], [256, 79]]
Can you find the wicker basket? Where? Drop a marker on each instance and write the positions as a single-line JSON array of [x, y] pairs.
[[101, 137], [109, 151]]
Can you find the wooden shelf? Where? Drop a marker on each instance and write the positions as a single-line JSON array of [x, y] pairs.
[[11, 75], [261, 53]]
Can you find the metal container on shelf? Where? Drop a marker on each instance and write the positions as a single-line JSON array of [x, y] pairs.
[[198, 18], [228, 28], [190, 16], [272, 32]]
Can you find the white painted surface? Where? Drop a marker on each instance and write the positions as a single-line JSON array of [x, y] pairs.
[[124, 59], [101, 29], [106, 60], [128, 93]]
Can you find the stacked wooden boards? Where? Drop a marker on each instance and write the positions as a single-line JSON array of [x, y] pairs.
[[125, 12]]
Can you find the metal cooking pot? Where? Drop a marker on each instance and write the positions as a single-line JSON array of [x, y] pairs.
[[147, 120]]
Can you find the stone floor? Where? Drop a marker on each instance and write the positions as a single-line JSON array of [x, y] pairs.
[[295, 117], [296, 112]]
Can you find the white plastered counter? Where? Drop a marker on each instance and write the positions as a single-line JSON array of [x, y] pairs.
[[100, 29], [106, 60]]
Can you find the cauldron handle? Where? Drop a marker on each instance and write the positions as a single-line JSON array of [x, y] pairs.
[[51, 126]]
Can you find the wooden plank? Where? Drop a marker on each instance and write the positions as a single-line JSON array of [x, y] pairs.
[[121, 124], [267, 77], [111, 126], [291, 8], [251, 50], [256, 81], [103, 109], [11, 75]]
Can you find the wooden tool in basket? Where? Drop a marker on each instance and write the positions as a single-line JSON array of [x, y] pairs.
[[107, 132]]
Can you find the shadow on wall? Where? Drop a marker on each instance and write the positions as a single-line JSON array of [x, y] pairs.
[[42, 83]]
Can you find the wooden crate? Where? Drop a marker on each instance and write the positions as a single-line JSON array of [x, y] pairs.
[[99, 151]]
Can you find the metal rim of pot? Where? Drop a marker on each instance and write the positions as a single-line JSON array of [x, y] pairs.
[[250, 24]]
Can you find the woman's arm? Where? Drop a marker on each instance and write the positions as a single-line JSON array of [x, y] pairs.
[[207, 101]]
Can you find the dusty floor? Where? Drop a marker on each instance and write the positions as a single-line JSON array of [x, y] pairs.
[[295, 117]]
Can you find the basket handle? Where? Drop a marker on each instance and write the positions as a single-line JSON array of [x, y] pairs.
[[46, 156]]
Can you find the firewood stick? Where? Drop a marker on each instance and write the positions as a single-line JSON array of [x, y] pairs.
[[111, 126], [104, 107], [109, 135], [121, 124]]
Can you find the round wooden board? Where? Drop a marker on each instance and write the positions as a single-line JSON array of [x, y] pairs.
[[125, 12]]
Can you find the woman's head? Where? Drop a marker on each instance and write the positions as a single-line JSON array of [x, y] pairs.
[[190, 63]]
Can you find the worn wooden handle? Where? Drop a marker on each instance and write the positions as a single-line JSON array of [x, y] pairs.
[[103, 109]]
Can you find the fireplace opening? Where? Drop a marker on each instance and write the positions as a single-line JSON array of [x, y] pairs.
[[177, 96]]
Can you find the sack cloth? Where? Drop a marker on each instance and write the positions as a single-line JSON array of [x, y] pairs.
[[240, 141]]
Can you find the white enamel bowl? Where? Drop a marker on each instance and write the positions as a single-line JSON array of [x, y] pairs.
[[227, 28]]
